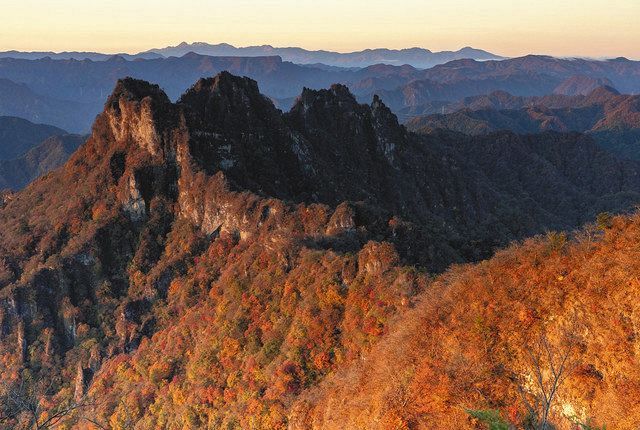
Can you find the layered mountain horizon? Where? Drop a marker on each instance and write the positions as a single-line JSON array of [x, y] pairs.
[[611, 118], [417, 57], [29, 150], [69, 93]]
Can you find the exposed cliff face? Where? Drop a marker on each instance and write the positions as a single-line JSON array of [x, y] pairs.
[[141, 113], [267, 246], [236, 130]]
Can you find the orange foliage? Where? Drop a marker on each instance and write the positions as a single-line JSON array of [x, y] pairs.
[[468, 342]]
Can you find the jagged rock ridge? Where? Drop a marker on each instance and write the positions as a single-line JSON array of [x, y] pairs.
[[278, 238]]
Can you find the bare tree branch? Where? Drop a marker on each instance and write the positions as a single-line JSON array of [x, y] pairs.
[[550, 365], [22, 399]]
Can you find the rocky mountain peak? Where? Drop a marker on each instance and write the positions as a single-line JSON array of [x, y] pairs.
[[335, 123], [337, 98], [235, 129], [224, 81], [140, 112], [227, 101], [388, 131], [135, 90]]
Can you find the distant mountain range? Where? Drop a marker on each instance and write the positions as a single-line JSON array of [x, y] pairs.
[[70, 93], [50, 154], [19, 100], [581, 85], [611, 118], [525, 76], [18, 136], [502, 100], [417, 57], [29, 150], [73, 55]]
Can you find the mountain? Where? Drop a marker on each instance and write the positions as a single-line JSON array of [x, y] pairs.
[[611, 118], [18, 100], [90, 81], [525, 76], [73, 55], [79, 87], [581, 85], [18, 135], [209, 262], [87, 82], [482, 336], [621, 72], [528, 120], [50, 154], [416, 57], [29, 150], [502, 100], [421, 95]]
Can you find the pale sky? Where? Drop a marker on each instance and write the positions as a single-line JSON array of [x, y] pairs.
[[597, 28]]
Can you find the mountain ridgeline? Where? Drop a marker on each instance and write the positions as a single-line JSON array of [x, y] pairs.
[[610, 118], [417, 57], [69, 93], [49, 154], [18, 136], [205, 263], [29, 150]]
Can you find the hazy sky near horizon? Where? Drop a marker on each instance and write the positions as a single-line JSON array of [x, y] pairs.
[[598, 28]]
